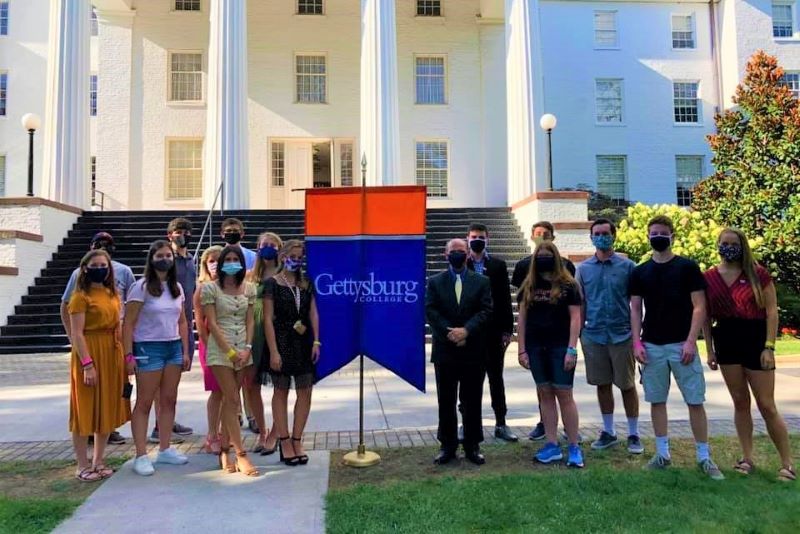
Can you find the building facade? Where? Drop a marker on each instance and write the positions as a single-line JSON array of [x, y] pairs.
[[270, 97]]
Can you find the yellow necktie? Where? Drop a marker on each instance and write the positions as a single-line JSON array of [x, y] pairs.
[[458, 289]]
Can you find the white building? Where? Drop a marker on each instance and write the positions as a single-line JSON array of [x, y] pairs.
[[271, 96]]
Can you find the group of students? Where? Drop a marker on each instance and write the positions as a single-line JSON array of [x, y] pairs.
[[623, 314], [257, 321]]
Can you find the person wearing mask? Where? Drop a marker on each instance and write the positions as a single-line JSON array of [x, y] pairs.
[[269, 245], [291, 327], [155, 338], [606, 337], [178, 233], [228, 310], [208, 275], [740, 333], [672, 289], [548, 329], [232, 232], [123, 280], [458, 307], [501, 325], [99, 402], [540, 231]]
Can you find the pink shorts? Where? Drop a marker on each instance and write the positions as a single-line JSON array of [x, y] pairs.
[[208, 377]]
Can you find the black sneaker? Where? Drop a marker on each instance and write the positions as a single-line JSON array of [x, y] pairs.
[[605, 441], [115, 438], [181, 430], [504, 433], [537, 433], [174, 439], [635, 445]]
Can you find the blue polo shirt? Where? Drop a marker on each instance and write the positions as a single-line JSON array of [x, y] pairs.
[[607, 299]]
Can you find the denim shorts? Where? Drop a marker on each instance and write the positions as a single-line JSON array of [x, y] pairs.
[[547, 367], [664, 361], [155, 355]]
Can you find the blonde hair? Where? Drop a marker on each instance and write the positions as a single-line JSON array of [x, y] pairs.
[[749, 264], [205, 276], [560, 275], [257, 274], [287, 247]]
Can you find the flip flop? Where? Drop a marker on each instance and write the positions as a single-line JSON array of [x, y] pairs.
[[104, 471], [787, 474], [744, 467], [85, 475]]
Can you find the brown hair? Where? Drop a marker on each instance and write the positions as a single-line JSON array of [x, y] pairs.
[[258, 271], [231, 221], [547, 225], [84, 284], [560, 276], [205, 275], [663, 220], [749, 264], [179, 223]]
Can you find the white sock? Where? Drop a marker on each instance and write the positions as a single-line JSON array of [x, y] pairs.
[[633, 426], [703, 452], [608, 423], [662, 446]]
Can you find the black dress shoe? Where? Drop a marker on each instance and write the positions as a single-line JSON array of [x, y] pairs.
[[475, 456], [444, 456], [504, 433]]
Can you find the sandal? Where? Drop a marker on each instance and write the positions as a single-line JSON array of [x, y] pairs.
[[104, 471], [744, 466], [252, 471], [266, 452], [302, 459], [212, 445], [85, 475], [787, 474], [288, 460], [225, 461]]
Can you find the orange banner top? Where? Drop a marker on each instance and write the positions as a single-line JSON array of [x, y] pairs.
[[346, 211]]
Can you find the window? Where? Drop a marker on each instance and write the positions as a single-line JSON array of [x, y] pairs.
[[608, 101], [93, 170], [429, 8], [689, 171], [311, 74], [186, 72], [3, 93], [187, 5], [309, 7], [612, 178], [93, 22], [605, 29], [432, 167], [184, 169], [782, 19], [3, 18], [278, 163], [682, 31], [792, 81], [346, 162], [686, 104], [2, 176], [430, 80], [93, 95]]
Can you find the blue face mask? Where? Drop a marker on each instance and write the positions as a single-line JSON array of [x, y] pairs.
[[292, 265], [232, 268], [267, 253], [603, 242]]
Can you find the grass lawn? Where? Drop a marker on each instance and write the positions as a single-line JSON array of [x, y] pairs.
[[37, 496], [407, 493], [785, 346]]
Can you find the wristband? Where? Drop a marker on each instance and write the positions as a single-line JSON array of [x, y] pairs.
[[769, 345], [87, 361], [638, 344], [249, 346], [317, 344], [572, 351], [232, 353], [129, 358]]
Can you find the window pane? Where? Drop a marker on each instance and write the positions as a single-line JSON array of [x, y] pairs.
[[682, 31], [605, 28], [3, 93], [311, 80], [685, 102], [187, 5], [782, 24], [609, 101], [346, 163], [2, 176], [431, 167], [792, 81], [186, 77], [93, 22], [688, 171], [3, 18], [278, 164], [93, 95], [611, 176], [429, 8], [309, 7], [185, 170], [93, 164], [430, 80]]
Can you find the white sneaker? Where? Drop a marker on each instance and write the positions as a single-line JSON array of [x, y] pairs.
[[143, 466], [171, 456]]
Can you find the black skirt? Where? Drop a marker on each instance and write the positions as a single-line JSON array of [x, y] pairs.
[[740, 342]]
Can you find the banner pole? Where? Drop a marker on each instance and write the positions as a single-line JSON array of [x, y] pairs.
[[361, 457]]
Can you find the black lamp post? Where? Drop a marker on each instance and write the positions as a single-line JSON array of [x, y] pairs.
[[548, 124], [31, 122]]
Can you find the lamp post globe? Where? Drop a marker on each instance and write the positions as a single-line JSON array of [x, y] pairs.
[[548, 122], [31, 122]]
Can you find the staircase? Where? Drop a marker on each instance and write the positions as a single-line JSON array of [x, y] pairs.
[[36, 323]]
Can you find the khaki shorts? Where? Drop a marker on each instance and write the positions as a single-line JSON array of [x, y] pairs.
[[609, 364]]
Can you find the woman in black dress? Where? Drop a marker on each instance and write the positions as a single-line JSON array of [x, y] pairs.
[[291, 324]]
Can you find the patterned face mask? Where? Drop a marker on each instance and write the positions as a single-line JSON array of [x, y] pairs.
[[730, 253], [603, 242]]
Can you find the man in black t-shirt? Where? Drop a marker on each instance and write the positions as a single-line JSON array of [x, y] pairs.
[[672, 290]]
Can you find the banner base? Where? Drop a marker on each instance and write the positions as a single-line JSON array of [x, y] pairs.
[[362, 458]]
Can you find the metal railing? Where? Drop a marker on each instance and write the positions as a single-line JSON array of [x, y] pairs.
[[102, 204], [207, 225]]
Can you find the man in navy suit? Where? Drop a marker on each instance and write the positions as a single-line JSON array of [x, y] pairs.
[[458, 306]]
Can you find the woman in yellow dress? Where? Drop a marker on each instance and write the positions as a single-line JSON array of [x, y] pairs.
[[98, 379]]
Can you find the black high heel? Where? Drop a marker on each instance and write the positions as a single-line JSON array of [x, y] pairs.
[[302, 459], [288, 460], [266, 452]]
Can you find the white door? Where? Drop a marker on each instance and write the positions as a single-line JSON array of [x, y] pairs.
[[299, 173]]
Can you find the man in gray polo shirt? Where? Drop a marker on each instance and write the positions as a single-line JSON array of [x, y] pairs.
[[606, 335]]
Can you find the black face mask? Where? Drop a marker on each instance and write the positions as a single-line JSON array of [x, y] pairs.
[[181, 241], [457, 259], [162, 265], [232, 238], [545, 264], [660, 243], [477, 245], [97, 275]]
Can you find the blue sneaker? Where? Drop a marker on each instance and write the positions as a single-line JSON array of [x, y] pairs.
[[551, 452], [575, 458]]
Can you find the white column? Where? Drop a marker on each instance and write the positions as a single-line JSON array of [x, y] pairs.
[[66, 131], [226, 139], [380, 124], [524, 94]]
